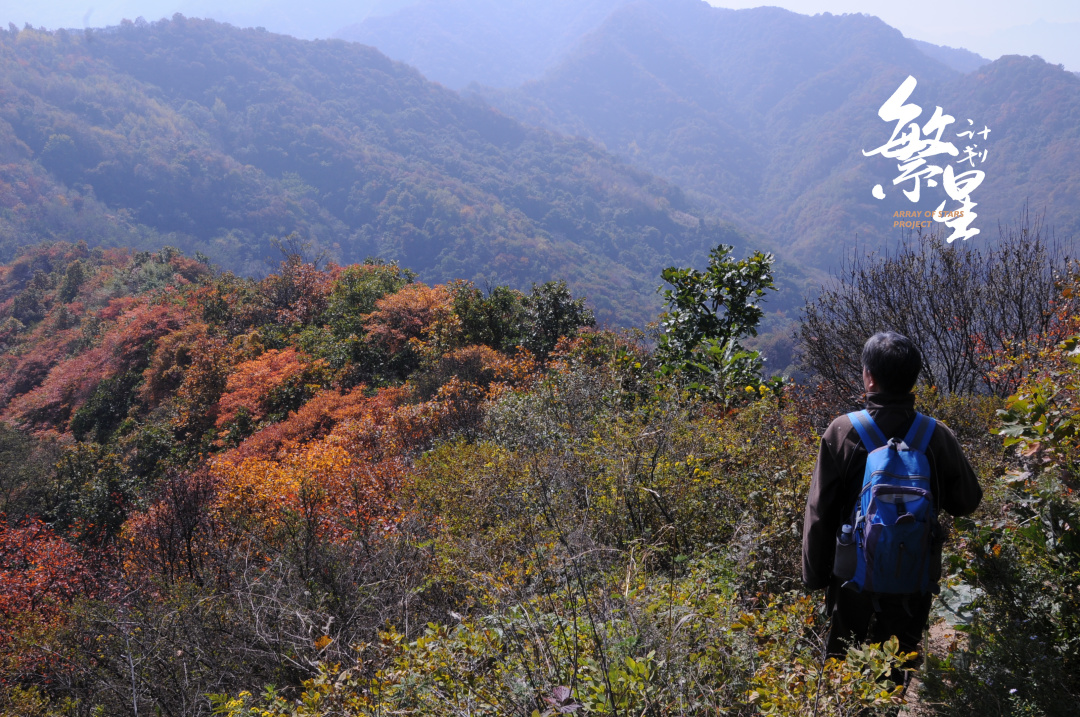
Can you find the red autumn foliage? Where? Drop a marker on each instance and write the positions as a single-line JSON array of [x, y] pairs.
[[388, 428], [39, 573], [314, 420], [116, 307], [345, 483], [23, 372], [203, 382], [43, 257], [188, 270], [406, 314], [251, 382], [298, 293], [329, 473], [70, 383], [321, 494], [485, 367]]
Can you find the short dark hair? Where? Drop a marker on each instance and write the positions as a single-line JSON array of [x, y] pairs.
[[893, 360]]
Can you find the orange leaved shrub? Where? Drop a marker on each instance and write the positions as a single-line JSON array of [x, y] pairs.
[[407, 314], [252, 384]]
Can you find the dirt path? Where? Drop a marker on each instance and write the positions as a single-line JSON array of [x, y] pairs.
[[942, 637]]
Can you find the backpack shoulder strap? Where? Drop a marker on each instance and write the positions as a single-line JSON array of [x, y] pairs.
[[918, 436], [871, 435]]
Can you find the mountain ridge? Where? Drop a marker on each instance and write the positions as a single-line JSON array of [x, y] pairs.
[[782, 151], [216, 139], [504, 44]]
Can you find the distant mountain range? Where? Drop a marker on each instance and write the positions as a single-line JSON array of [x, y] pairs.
[[957, 58], [764, 115], [500, 43], [218, 140], [504, 43]]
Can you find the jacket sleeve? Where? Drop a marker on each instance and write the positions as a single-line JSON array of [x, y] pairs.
[[959, 486], [823, 508]]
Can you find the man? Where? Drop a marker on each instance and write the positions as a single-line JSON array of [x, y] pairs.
[[891, 366]]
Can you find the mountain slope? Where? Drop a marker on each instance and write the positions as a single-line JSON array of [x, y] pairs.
[[766, 113], [216, 139], [745, 107], [959, 59], [501, 43], [1034, 108]]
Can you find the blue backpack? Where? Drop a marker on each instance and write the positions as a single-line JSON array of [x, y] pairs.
[[895, 518]]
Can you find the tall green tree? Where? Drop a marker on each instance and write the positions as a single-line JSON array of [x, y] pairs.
[[708, 314], [552, 312]]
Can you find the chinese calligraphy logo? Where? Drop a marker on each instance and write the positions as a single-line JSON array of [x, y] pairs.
[[913, 146]]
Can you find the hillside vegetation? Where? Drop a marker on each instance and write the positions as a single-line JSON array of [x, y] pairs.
[[217, 140], [338, 490], [248, 468]]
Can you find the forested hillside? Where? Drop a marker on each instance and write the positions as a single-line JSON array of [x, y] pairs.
[[338, 490], [150, 407], [766, 113], [217, 140], [327, 392]]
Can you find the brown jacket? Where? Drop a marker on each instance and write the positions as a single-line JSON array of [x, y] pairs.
[[838, 477]]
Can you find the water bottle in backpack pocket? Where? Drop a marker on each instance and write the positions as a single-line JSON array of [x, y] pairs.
[[845, 557], [895, 518]]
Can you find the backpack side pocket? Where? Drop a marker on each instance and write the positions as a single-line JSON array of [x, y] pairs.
[[846, 556]]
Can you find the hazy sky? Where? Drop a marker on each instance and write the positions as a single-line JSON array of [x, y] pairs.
[[992, 28], [1049, 28]]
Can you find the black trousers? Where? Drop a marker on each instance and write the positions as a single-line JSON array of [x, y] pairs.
[[858, 618]]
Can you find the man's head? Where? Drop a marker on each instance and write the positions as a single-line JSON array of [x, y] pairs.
[[891, 363]]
